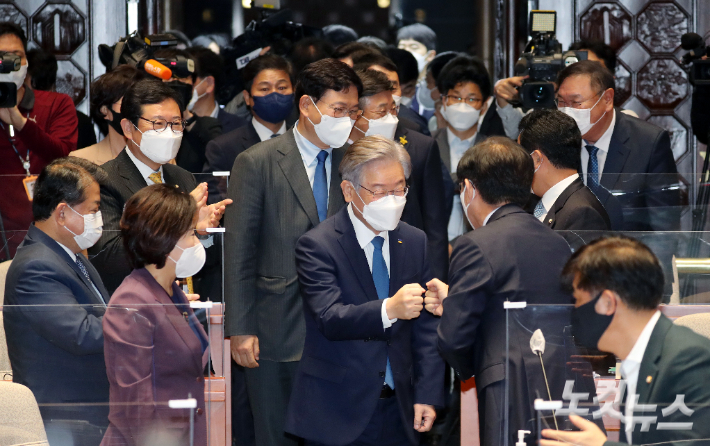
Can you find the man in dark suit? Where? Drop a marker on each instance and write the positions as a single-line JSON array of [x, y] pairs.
[[146, 108], [268, 91], [282, 188], [362, 275], [426, 204], [618, 285], [621, 156], [510, 256], [54, 305], [564, 203]]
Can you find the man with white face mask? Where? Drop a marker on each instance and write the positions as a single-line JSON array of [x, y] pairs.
[[620, 153], [426, 205], [282, 188], [54, 305], [362, 274], [153, 126], [41, 127]]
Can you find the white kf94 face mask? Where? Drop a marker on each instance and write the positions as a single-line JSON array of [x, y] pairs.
[[583, 116], [385, 126], [93, 228], [383, 214], [461, 116], [160, 147], [191, 261], [332, 131]]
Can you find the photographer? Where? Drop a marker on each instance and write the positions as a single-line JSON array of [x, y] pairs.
[[41, 127]]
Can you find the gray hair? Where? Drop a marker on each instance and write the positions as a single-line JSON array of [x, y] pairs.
[[370, 149]]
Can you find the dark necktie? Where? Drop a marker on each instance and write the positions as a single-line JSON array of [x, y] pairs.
[[274, 135], [382, 284], [320, 186], [85, 272], [592, 167]]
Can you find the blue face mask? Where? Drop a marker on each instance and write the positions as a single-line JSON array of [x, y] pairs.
[[274, 107]]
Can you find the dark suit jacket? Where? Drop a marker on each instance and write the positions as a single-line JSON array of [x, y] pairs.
[[145, 332], [220, 155], [413, 120], [229, 121], [340, 376], [54, 337], [676, 362], [124, 180], [426, 199], [639, 170], [577, 209], [191, 155], [273, 206]]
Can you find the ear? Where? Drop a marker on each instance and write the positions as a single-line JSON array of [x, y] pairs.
[[430, 55], [209, 81], [59, 213], [127, 127], [538, 157], [348, 191], [304, 104], [108, 114], [248, 100], [607, 303], [609, 99]]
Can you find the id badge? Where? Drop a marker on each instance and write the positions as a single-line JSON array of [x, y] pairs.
[[29, 183]]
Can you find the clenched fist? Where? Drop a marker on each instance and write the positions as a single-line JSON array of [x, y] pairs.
[[435, 295], [407, 303]]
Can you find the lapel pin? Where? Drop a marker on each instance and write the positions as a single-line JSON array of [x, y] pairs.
[[549, 221], [399, 240], [649, 378]]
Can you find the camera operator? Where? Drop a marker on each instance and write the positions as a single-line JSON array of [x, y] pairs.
[[41, 127]]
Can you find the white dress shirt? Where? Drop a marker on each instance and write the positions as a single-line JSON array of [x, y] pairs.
[[215, 110], [603, 145], [457, 148], [309, 154], [364, 239], [488, 217], [264, 132], [143, 168], [630, 371], [548, 198], [73, 257]]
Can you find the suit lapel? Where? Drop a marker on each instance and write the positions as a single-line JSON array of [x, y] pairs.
[[649, 364], [291, 165], [443, 142], [134, 180], [94, 278], [335, 194], [618, 152], [355, 254], [557, 206], [398, 255]]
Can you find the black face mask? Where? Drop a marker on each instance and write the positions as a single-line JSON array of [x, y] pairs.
[[588, 326], [116, 122]]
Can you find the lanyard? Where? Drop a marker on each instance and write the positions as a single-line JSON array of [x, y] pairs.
[[25, 162]]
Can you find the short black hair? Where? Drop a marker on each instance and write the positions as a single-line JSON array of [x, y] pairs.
[[15, 30], [324, 75], [419, 32], [59, 182], [42, 66], [309, 50], [146, 92], [406, 63], [350, 48], [499, 169], [109, 88], [172, 52], [555, 134], [619, 264], [339, 34], [265, 62], [96, 171], [600, 77], [373, 82], [368, 60], [464, 69], [208, 63], [439, 62], [153, 221], [373, 41], [601, 49]]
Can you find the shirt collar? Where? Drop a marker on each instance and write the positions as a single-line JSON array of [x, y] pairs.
[[603, 142], [488, 217], [549, 197], [265, 133], [143, 168], [453, 139], [215, 111], [309, 151], [69, 251], [362, 233], [636, 354]]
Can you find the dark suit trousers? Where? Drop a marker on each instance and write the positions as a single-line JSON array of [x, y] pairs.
[[269, 388], [491, 407], [384, 429], [242, 420]]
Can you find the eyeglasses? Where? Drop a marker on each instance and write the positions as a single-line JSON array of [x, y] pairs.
[[341, 112], [377, 194], [451, 100], [161, 124], [382, 113], [559, 102]]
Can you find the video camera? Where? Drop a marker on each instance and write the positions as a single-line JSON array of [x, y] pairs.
[[695, 45], [542, 60], [9, 62]]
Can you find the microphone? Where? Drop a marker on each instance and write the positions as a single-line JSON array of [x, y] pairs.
[[691, 41], [157, 69]]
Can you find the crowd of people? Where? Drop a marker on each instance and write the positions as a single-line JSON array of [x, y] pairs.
[[383, 202]]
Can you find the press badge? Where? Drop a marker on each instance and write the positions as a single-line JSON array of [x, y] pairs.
[[29, 183]]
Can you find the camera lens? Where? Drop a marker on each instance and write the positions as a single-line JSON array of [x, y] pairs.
[[539, 94]]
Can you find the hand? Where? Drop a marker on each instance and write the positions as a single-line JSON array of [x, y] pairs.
[[12, 116], [424, 416], [589, 434], [407, 303], [192, 297], [506, 92], [200, 195], [209, 216], [245, 350], [434, 297]]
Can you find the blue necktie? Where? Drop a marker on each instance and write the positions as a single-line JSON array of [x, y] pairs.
[[320, 186], [539, 210], [592, 167], [382, 284]]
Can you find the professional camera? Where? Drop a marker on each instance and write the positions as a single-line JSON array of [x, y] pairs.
[[695, 45], [9, 62], [542, 60], [275, 30]]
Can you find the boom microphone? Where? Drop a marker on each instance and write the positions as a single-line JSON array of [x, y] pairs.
[[157, 69]]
